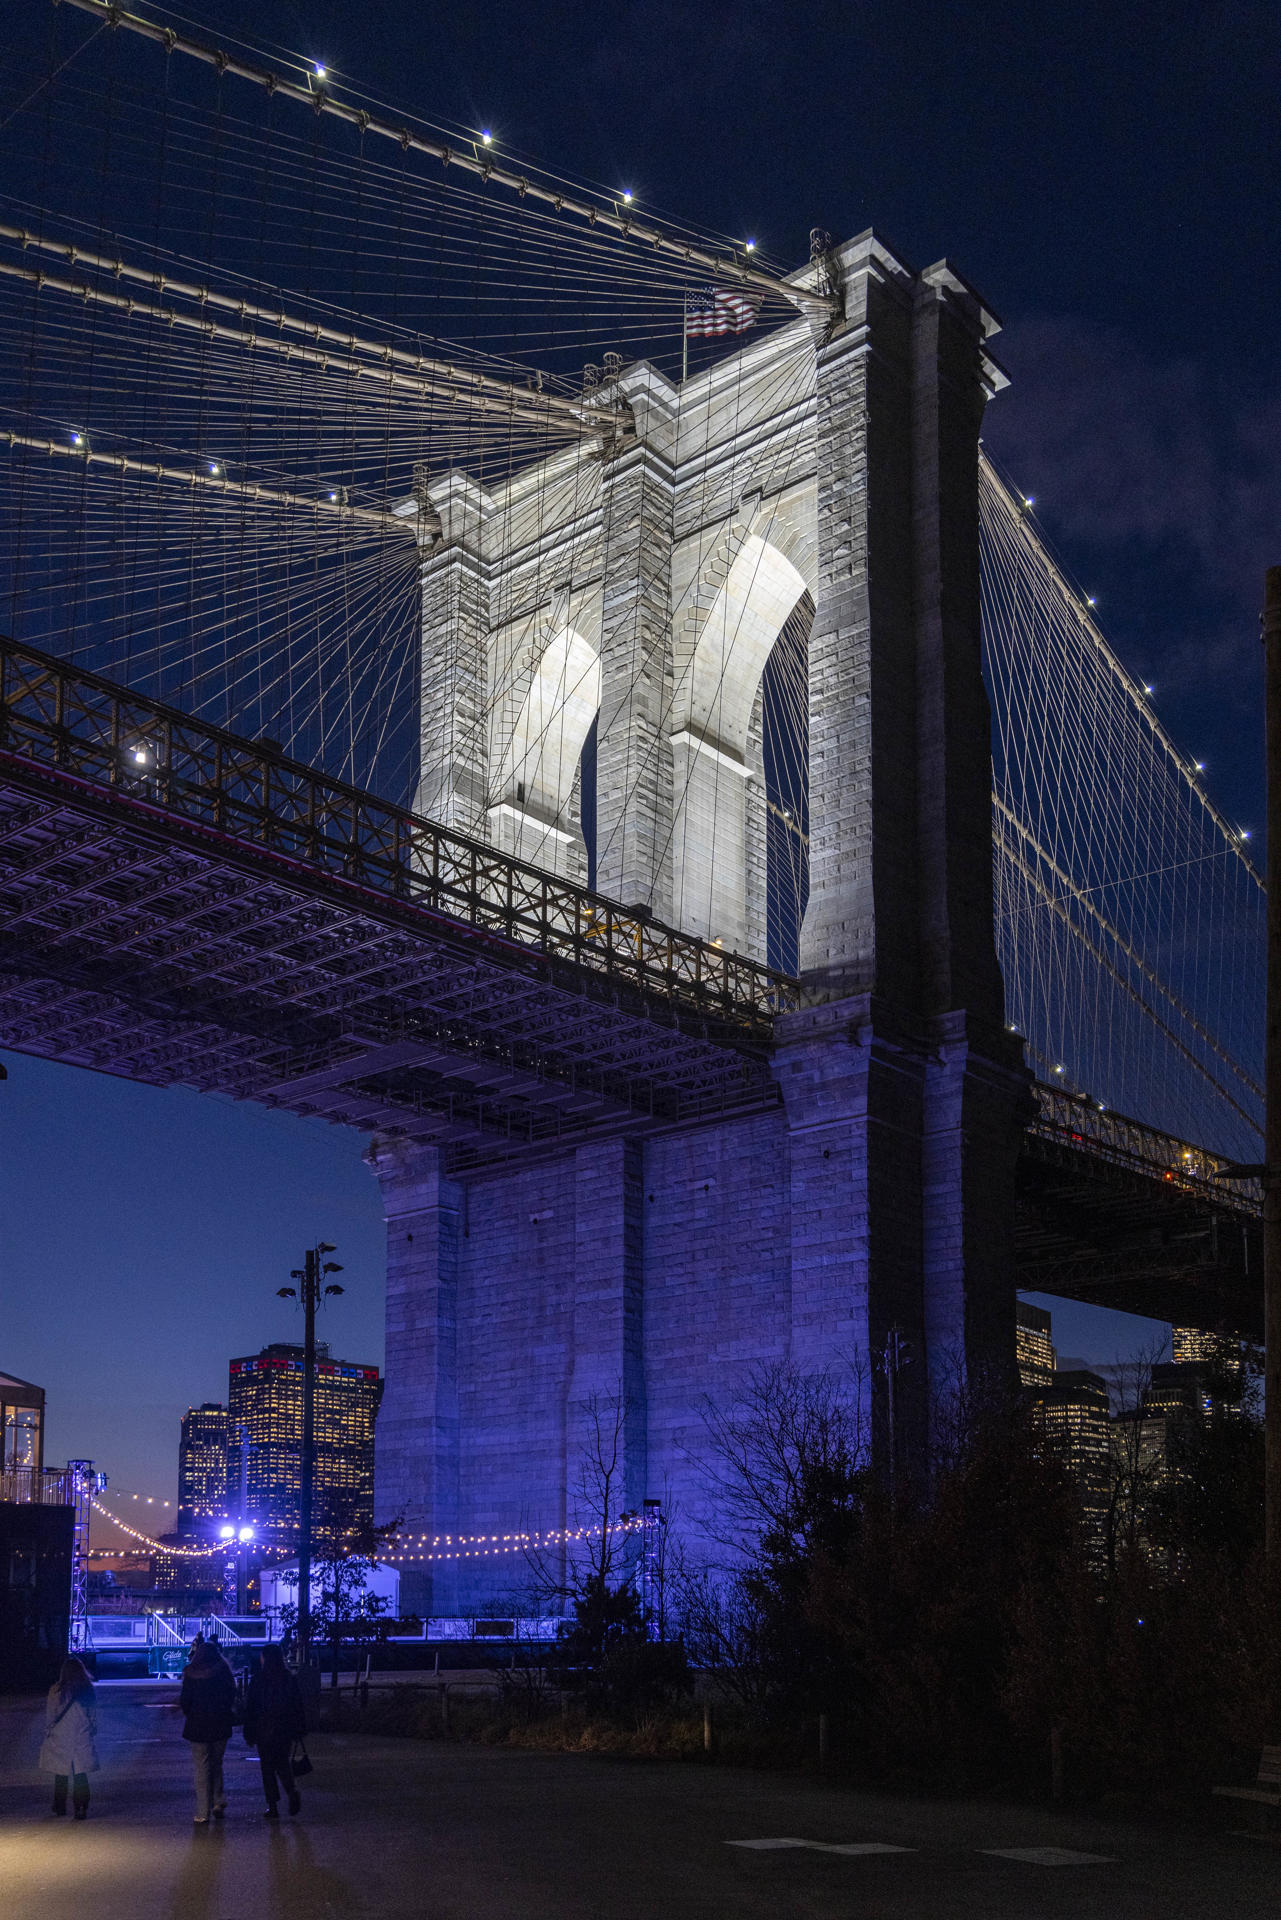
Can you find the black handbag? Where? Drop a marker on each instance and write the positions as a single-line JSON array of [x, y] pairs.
[[299, 1765]]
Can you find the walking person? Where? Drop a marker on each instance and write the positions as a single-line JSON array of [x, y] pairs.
[[70, 1750], [207, 1698], [274, 1719]]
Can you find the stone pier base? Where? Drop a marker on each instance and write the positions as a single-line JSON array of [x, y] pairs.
[[629, 1286]]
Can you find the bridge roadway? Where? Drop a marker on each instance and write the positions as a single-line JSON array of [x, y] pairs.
[[185, 907]]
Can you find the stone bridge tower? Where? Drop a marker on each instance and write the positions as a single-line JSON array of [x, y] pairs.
[[827, 470]]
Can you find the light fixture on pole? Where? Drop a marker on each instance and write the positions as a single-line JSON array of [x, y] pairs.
[[312, 1289]]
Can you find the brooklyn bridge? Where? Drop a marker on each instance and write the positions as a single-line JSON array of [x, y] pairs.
[[575, 701]]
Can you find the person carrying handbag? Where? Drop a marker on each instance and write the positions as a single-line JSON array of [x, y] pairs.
[[274, 1719]]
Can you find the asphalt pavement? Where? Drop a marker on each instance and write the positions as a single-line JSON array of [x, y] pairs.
[[408, 1830]]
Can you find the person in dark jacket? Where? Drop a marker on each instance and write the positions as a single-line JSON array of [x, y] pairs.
[[274, 1719], [207, 1698]]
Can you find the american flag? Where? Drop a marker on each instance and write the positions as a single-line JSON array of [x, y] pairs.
[[715, 310]]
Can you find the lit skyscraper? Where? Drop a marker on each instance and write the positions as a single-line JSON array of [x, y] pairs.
[[1216, 1361], [1189, 1344], [265, 1420], [1077, 1418], [202, 1468], [1034, 1347]]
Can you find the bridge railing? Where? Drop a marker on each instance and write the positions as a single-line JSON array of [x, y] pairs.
[[61, 716], [1072, 1120]]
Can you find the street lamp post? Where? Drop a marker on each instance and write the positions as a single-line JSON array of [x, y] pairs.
[[238, 1538], [311, 1289]]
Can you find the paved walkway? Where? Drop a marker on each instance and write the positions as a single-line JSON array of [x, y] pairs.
[[405, 1830]]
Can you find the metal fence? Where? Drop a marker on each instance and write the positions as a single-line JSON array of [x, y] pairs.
[[37, 1486]]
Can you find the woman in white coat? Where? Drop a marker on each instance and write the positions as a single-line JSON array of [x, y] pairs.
[[69, 1752]]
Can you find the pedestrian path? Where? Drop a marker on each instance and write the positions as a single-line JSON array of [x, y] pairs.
[[433, 1830]]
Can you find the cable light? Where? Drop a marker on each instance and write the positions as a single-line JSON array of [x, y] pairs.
[[159, 1546], [487, 1546], [523, 1539]]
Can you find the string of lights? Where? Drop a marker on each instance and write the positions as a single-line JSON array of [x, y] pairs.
[[478, 1546], [158, 1546], [415, 1547]]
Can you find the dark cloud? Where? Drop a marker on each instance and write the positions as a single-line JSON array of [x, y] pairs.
[[1124, 448], [1159, 481]]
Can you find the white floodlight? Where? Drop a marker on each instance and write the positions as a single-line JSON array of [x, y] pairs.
[[226, 1533], [627, 199], [321, 74], [750, 246], [246, 1533], [486, 139]]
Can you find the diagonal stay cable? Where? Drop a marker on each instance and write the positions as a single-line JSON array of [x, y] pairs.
[[1057, 905], [322, 99]]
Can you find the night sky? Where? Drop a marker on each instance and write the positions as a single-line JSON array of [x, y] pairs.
[[1106, 175]]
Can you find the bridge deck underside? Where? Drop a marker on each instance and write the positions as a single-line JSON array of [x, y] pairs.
[[1140, 1239], [138, 945]]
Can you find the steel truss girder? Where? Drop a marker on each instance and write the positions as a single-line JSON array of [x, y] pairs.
[[222, 786], [241, 978]]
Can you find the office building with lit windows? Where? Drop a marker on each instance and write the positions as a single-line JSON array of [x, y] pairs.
[[1190, 1346], [202, 1469], [1217, 1361], [264, 1414], [1034, 1348], [1076, 1413]]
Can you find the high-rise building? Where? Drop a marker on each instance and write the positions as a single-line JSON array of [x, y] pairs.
[[1180, 1391], [1076, 1412], [1219, 1359], [265, 1443], [202, 1468], [1033, 1346], [1194, 1343]]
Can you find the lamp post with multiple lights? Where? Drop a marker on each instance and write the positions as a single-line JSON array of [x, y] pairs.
[[237, 1539], [312, 1288]]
